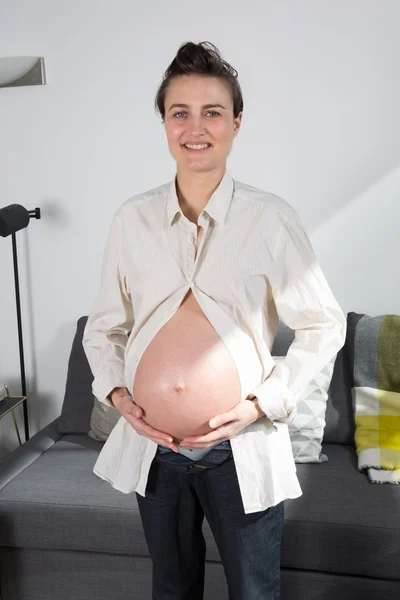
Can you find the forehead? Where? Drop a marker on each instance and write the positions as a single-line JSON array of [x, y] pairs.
[[197, 89]]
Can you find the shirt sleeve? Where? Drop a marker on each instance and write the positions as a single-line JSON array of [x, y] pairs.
[[110, 321], [304, 303]]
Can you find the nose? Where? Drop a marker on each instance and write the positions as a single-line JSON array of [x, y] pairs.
[[196, 126]]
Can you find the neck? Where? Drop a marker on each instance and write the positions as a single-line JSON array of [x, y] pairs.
[[195, 189]]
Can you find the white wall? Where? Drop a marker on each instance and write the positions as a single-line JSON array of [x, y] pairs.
[[321, 128]]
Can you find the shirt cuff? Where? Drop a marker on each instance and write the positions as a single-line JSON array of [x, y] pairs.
[[276, 400], [106, 381]]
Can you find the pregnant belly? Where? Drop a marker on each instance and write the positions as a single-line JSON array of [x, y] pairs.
[[186, 376]]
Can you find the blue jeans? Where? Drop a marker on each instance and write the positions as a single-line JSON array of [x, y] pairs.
[[179, 493]]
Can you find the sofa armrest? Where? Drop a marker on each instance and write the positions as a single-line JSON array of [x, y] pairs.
[[18, 460]]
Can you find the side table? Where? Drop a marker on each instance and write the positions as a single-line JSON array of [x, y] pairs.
[[8, 404]]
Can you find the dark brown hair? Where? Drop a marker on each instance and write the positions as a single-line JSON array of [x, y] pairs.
[[200, 59]]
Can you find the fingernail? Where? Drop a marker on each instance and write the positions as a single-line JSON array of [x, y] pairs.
[[213, 423]]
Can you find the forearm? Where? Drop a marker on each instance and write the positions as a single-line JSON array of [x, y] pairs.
[[305, 303], [104, 343], [110, 321], [309, 353]]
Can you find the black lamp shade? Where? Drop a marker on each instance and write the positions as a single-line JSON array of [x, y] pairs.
[[13, 218]]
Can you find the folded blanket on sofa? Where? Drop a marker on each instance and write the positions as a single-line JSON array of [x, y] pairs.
[[376, 395]]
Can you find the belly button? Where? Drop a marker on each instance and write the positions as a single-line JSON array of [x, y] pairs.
[[180, 387]]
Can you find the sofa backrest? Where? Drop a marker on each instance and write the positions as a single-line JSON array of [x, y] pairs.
[[78, 399]]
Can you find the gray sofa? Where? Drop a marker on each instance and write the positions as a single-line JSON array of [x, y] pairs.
[[65, 534]]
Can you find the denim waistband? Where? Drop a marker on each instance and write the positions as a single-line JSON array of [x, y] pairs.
[[215, 457]]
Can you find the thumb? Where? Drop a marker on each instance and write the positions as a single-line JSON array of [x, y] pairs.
[[136, 411]]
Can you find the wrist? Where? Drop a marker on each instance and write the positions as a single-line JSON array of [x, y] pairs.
[[254, 400], [260, 411]]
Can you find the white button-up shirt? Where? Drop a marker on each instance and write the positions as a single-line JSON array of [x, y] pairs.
[[254, 266]]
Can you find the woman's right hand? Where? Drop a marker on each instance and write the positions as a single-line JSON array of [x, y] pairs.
[[123, 402]]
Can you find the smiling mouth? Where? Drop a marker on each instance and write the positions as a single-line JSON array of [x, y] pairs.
[[196, 147]]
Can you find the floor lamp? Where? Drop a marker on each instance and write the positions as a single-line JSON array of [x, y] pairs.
[[13, 218]]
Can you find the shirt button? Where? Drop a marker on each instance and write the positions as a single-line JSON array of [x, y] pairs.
[[191, 284]]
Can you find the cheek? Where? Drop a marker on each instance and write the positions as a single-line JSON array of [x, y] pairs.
[[174, 132], [222, 132]]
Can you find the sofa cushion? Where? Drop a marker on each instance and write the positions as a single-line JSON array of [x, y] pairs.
[[81, 411], [59, 503], [342, 523], [339, 418], [337, 526], [307, 428], [102, 421], [78, 398]]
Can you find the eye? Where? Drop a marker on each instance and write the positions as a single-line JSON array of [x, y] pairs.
[[212, 113]]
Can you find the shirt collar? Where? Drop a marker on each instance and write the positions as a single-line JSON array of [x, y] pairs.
[[216, 207]]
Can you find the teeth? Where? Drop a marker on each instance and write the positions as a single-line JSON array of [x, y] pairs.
[[197, 146]]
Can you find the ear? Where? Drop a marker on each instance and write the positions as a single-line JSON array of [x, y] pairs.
[[237, 123]]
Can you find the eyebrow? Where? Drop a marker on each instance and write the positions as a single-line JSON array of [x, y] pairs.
[[204, 106]]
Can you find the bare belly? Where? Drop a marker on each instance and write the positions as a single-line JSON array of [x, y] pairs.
[[186, 376]]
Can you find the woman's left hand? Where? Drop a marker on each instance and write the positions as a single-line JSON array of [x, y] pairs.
[[227, 425]]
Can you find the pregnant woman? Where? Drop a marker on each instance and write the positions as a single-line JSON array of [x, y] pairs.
[[196, 275]]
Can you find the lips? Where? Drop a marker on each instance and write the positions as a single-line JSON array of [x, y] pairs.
[[196, 147]]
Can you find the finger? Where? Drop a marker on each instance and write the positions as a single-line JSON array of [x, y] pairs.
[[161, 442], [223, 419], [210, 439], [136, 411], [172, 446], [144, 429]]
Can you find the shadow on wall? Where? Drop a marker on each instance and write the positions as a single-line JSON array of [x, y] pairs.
[[54, 212], [358, 249], [353, 186]]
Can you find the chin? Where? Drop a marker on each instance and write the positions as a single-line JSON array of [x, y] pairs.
[[200, 168]]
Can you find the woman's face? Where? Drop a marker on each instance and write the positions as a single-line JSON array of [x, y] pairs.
[[199, 111]]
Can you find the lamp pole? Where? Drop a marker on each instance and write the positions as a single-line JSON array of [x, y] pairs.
[[20, 337], [12, 219]]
